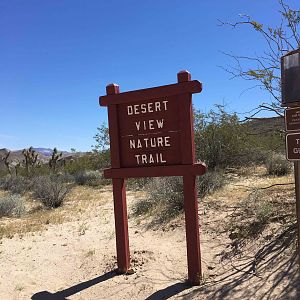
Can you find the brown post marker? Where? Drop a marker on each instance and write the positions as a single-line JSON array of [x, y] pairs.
[[121, 225], [297, 190], [119, 191], [190, 194]]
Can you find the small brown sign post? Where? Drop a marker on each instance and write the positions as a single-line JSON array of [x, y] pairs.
[[151, 135], [290, 94]]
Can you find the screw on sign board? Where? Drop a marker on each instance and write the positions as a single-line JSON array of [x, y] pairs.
[[151, 135]]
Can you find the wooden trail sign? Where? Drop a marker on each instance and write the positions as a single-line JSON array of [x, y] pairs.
[[151, 135]]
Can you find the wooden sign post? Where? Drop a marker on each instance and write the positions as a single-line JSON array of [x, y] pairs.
[[290, 98], [152, 135]]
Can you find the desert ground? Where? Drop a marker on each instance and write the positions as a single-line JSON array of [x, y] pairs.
[[69, 252]]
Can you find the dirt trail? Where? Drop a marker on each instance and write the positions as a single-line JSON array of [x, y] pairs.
[[74, 260]]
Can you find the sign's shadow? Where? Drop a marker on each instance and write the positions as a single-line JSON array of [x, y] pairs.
[[165, 293], [62, 295]]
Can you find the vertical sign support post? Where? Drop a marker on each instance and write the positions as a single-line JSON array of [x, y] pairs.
[[192, 229], [190, 193], [290, 98], [297, 190], [119, 191]]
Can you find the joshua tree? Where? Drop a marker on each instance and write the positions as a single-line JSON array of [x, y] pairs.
[[17, 167], [55, 159], [30, 160], [6, 162]]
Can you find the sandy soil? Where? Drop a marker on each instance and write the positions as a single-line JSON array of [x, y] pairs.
[[75, 259]]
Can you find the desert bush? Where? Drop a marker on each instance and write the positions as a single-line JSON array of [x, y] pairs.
[[91, 178], [66, 177], [222, 140], [16, 185], [88, 162], [277, 165], [165, 197], [11, 205], [50, 190], [210, 182]]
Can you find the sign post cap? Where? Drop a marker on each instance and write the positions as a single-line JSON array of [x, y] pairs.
[[184, 76], [112, 89]]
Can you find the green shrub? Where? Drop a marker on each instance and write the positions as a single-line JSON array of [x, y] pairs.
[[16, 185], [11, 205], [50, 190], [277, 165], [222, 140], [210, 182]]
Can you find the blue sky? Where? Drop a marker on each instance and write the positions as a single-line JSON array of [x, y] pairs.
[[56, 57]]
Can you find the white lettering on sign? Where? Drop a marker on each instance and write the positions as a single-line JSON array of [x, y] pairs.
[[152, 142], [144, 108], [297, 141], [296, 150], [150, 124], [152, 127], [142, 159]]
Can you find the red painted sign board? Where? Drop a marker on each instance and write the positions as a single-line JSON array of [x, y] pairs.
[[293, 146], [151, 135], [151, 127], [292, 119]]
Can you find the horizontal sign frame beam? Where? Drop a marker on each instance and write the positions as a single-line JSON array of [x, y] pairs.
[[191, 87], [159, 171]]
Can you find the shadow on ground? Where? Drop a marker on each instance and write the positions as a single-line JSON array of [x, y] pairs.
[[272, 273], [275, 271], [165, 293], [62, 295]]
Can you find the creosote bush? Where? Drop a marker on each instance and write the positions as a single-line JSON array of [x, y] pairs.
[[277, 165], [11, 205], [50, 190], [16, 185]]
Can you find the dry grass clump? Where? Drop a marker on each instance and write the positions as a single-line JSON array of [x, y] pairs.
[[210, 182], [164, 199], [11, 205], [16, 184], [277, 165], [261, 208]]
